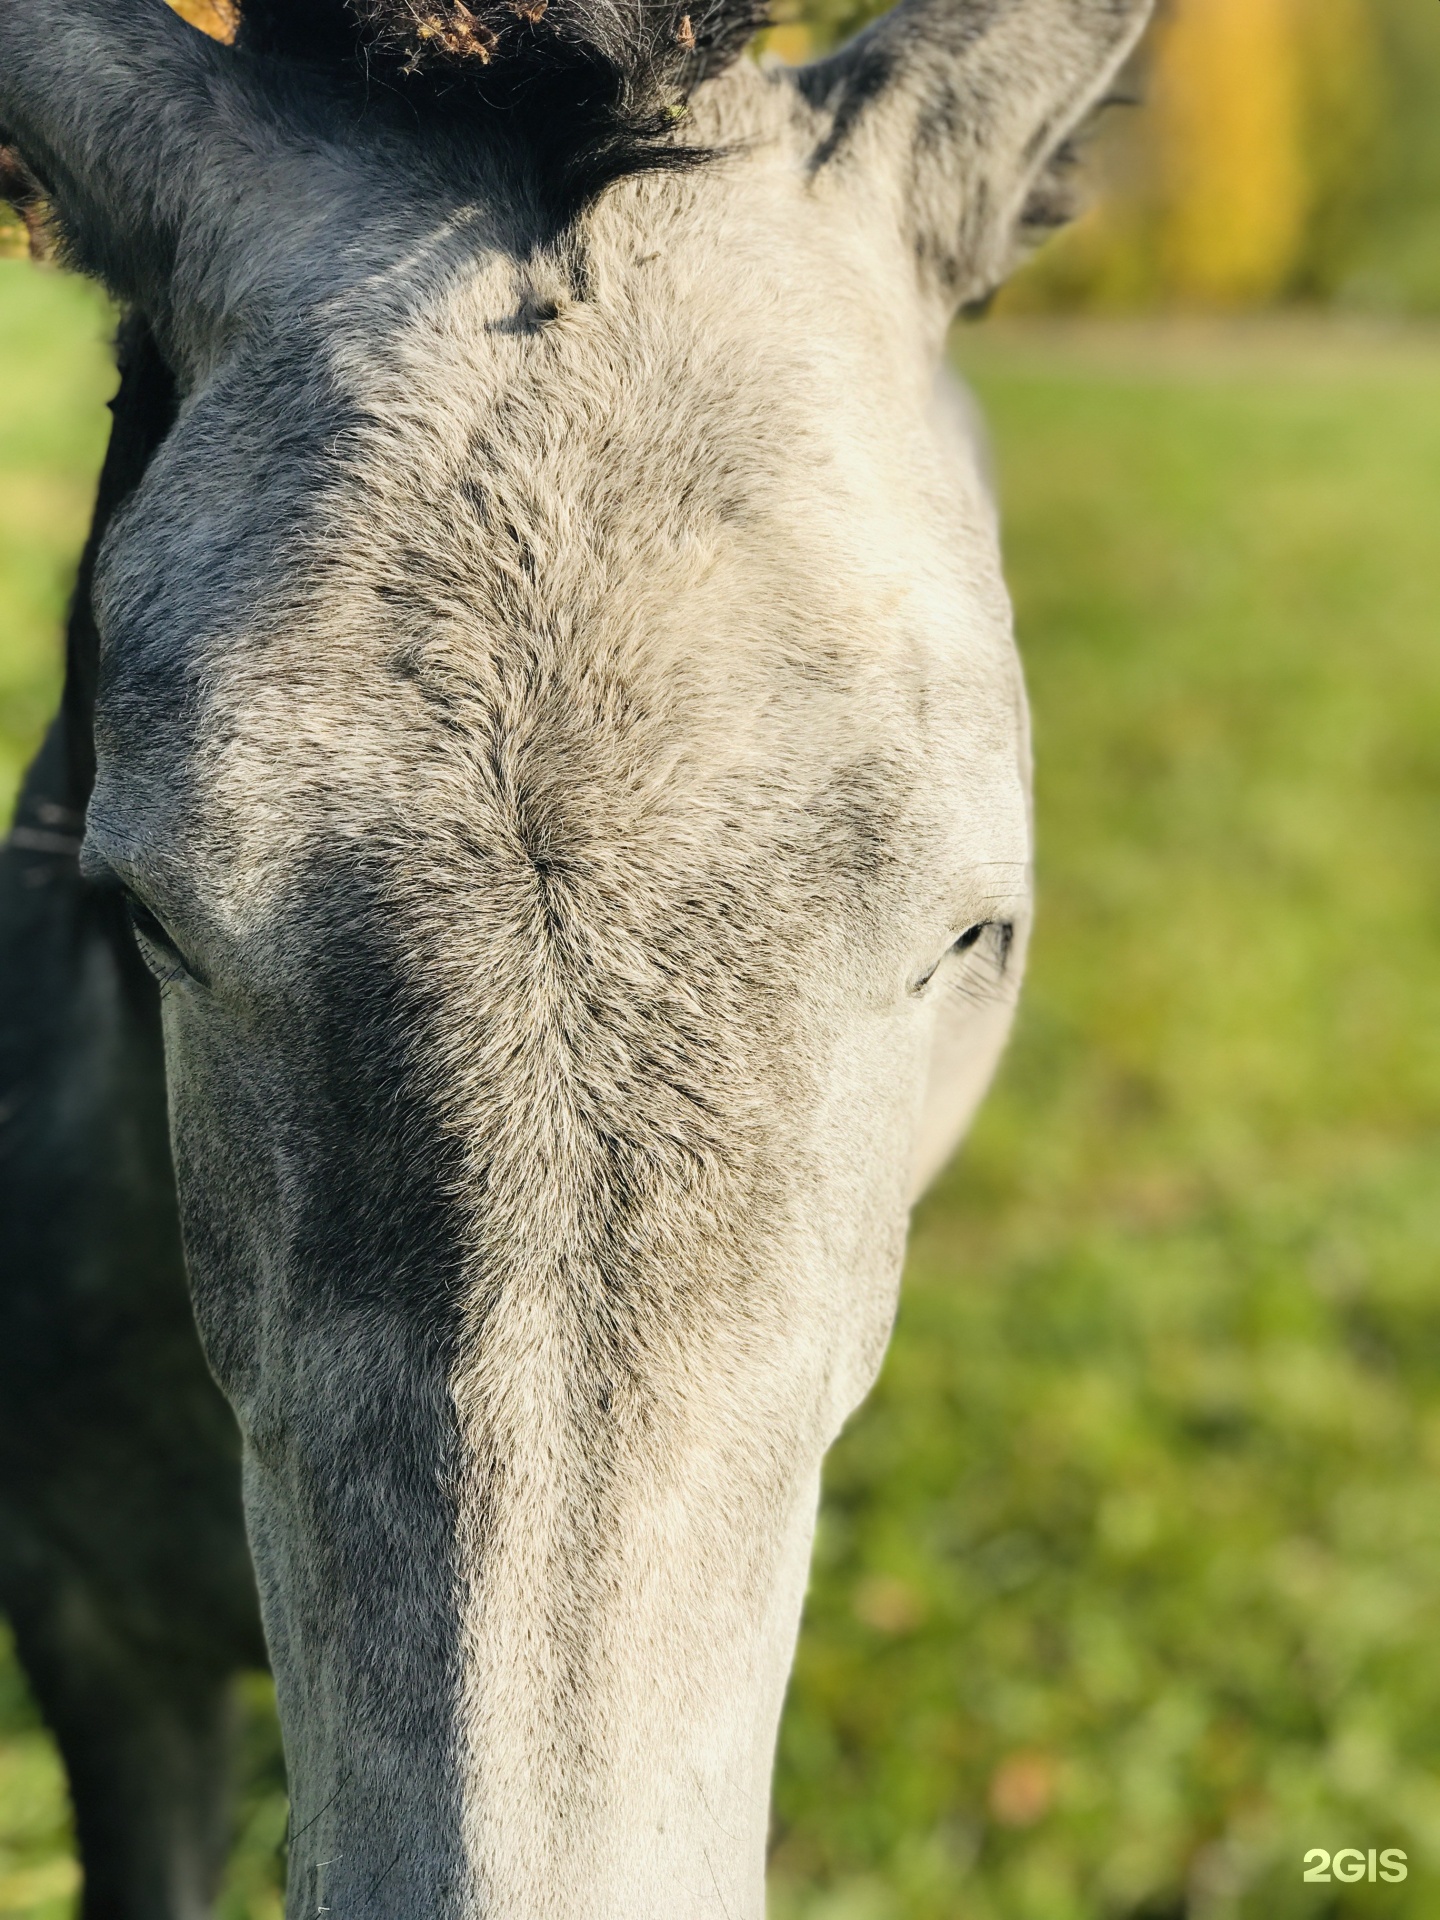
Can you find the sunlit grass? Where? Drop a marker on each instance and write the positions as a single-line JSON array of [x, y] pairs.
[[38, 1875], [55, 375], [1128, 1585]]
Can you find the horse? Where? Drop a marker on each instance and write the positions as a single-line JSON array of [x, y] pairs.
[[529, 880]]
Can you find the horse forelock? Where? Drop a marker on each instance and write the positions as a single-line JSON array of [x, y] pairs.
[[589, 90]]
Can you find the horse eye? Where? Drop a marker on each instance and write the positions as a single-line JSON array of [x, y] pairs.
[[157, 949], [1003, 931]]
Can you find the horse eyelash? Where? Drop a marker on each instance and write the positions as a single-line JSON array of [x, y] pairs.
[[970, 938], [150, 932]]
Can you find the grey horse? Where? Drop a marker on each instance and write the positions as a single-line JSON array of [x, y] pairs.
[[530, 878]]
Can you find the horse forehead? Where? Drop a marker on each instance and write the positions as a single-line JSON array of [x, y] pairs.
[[639, 383], [622, 513], [466, 658], [536, 456], [681, 372], [561, 577]]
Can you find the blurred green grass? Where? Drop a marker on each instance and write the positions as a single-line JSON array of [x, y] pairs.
[[1128, 1581], [55, 375], [54, 378]]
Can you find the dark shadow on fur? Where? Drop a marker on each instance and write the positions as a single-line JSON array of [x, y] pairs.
[[585, 91], [123, 1561]]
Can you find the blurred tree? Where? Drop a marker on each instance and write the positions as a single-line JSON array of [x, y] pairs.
[[1229, 129], [1395, 262]]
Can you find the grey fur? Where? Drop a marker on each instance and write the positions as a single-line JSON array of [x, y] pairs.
[[558, 712]]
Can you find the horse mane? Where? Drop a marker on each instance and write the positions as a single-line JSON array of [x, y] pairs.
[[589, 90]]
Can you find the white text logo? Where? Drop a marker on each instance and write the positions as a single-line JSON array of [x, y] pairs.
[[1351, 1864]]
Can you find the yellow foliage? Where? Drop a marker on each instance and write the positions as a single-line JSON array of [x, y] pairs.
[[218, 18], [1228, 116], [1228, 187], [792, 41]]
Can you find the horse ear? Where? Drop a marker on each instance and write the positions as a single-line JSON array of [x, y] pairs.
[[112, 109], [958, 112]]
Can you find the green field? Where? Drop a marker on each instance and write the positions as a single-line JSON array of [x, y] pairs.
[[1128, 1583], [53, 379]]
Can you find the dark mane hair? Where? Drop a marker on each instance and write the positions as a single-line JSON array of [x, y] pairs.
[[591, 89]]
